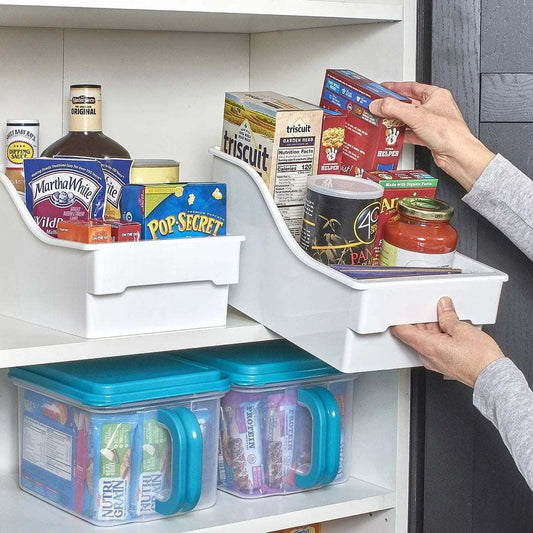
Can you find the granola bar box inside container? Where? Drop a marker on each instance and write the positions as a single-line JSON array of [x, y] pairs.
[[370, 142], [279, 136], [286, 422], [121, 439]]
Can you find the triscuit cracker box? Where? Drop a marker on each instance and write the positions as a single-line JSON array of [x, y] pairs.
[[280, 137], [370, 142], [174, 211]]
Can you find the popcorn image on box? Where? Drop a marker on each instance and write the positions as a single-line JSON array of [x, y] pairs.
[[176, 211], [398, 184], [332, 140], [63, 189], [371, 142], [280, 137]]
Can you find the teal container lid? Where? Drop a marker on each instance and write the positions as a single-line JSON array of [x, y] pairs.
[[262, 363], [123, 380]]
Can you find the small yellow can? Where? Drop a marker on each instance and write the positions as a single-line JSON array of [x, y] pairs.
[[154, 171]]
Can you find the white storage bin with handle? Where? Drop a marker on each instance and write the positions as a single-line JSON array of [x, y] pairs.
[[100, 290], [341, 320]]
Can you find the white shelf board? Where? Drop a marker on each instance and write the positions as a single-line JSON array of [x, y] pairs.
[[23, 513], [234, 16], [22, 343]]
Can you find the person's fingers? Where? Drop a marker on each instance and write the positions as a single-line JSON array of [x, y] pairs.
[[411, 89], [417, 338], [446, 314], [390, 107], [410, 137]]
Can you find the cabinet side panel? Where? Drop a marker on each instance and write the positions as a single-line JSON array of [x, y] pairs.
[[31, 80], [162, 92], [9, 425]]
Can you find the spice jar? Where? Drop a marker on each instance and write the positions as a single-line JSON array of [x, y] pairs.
[[420, 235]]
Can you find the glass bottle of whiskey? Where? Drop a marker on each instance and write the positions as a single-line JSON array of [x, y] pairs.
[[85, 137]]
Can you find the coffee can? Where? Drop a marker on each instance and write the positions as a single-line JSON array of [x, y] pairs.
[[340, 219]]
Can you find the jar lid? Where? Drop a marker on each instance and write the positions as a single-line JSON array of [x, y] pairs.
[[22, 122], [151, 171], [425, 208]]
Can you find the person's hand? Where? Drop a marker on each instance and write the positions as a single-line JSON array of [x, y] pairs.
[[435, 121], [451, 347]]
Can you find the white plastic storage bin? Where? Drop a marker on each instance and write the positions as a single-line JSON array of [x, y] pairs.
[[342, 320], [285, 423], [115, 441], [111, 289]]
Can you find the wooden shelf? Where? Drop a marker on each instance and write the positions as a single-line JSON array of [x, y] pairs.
[[24, 513], [233, 16], [22, 343]]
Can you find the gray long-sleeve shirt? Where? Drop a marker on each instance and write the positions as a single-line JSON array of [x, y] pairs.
[[504, 196]]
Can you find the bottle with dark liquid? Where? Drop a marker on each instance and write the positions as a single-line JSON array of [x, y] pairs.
[[85, 137]]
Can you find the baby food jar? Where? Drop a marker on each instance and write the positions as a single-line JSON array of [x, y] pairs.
[[420, 235]]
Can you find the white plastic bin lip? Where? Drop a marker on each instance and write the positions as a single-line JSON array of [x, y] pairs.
[[475, 268]]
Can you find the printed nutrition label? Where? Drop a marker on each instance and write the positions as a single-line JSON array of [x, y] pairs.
[[47, 448], [294, 165]]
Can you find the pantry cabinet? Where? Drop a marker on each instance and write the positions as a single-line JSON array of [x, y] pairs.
[[164, 68]]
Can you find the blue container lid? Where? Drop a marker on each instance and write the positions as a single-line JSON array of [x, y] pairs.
[[262, 363], [123, 380]]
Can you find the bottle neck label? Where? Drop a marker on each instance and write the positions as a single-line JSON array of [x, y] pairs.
[[85, 109]]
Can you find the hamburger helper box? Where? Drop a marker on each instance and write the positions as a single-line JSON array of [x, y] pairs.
[[279, 136], [331, 142], [286, 422], [114, 441], [371, 142], [397, 184]]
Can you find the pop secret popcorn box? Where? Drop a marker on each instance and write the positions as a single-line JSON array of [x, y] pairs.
[[280, 137], [370, 142]]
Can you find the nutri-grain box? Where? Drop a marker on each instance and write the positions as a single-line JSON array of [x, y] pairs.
[[371, 142], [398, 184], [280, 137]]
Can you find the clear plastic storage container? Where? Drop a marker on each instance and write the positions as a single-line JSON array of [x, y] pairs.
[[120, 440], [286, 422]]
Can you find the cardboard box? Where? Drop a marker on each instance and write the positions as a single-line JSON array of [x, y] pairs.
[[331, 142], [311, 528], [371, 142], [89, 232], [280, 137], [176, 211], [398, 184], [125, 231]]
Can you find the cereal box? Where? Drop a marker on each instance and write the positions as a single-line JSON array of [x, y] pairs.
[[371, 142], [64, 189], [280, 137], [174, 211], [398, 184], [331, 142]]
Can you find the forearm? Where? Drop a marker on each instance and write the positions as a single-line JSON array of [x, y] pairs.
[[504, 196], [503, 396]]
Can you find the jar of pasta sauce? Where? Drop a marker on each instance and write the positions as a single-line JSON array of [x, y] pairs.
[[420, 235]]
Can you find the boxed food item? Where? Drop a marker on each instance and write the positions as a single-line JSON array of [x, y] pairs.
[[122, 231], [286, 422], [331, 142], [370, 142], [176, 211], [398, 184], [117, 174], [64, 189], [91, 232], [310, 528], [280, 137], [115, 442]]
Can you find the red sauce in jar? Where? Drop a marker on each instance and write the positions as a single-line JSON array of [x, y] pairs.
[[420, 234]]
